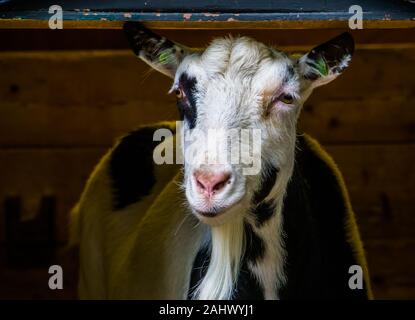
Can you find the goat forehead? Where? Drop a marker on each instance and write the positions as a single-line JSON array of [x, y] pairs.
[[241, 56], [240, 64], [232, 76], [239, 60]]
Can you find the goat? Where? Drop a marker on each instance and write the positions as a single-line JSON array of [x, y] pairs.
[[212, 231]]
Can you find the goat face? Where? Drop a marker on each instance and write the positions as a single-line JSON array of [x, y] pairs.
[[239, 101]]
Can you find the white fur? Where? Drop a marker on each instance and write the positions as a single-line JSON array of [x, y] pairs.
[[236, 77], [227, 250]]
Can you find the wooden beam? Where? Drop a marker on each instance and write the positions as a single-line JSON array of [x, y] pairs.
[[210, 14], [103, 23], [289, 40]]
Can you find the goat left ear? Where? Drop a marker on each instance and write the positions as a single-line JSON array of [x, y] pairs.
[[328, 60], [157, 51]]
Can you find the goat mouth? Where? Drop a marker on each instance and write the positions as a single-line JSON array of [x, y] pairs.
[[210, 214], [215, 212]]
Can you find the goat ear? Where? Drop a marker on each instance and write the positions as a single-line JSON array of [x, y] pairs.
[[328, 60], [157, 51]]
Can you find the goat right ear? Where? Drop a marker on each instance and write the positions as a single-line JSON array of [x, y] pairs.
[[157, 51], [328, 60]]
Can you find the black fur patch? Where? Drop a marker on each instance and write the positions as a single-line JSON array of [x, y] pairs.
[[263, 212], [318, 254], [145, 40], [187, 106], [266, 186], [247, 287], [311, 76], [255, 247], [330, 53], [154, 48], [334, 50], [131, 168], [290, 73]]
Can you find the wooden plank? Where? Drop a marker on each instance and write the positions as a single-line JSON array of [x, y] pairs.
[[380, 74], [377, 169], [372, 74], [304, 39], [380, 179], [88, 126], [230, 24], [389, 119], [77, 125], [32, 283], [391, 267], [330, 122], [66, 91]]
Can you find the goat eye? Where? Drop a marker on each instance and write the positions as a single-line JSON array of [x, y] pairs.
[[179, 93], [286, 98]]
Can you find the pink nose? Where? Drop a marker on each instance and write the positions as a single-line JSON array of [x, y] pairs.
[[209, 183]]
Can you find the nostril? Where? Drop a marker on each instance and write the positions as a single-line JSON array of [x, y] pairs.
[[222, 181], [200, 184]]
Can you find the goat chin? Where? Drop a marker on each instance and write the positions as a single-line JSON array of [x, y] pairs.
[[228, 215]]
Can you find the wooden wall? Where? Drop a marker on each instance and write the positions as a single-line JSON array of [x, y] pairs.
[[61, 109]]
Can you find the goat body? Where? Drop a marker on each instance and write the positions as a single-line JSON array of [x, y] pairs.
[[138, 241]]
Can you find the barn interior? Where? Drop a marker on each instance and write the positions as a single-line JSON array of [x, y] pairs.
[[67, 95]]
